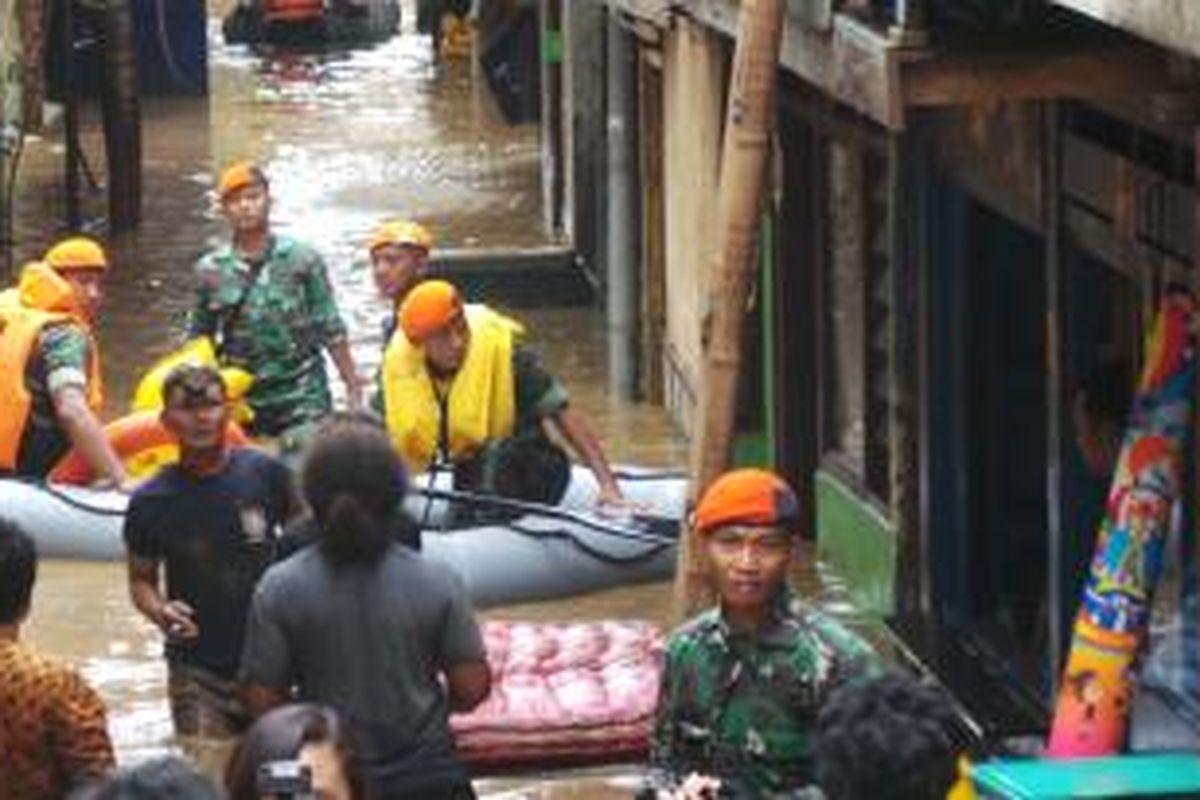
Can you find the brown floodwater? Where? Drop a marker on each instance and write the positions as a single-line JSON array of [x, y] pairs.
[[348, 139]]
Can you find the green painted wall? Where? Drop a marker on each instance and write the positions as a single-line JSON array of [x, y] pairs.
[[757, 448], [856, 540]]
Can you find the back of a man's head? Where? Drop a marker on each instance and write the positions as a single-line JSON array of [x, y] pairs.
[[166, 778], [889, 736], [354, 483], [18, 570]]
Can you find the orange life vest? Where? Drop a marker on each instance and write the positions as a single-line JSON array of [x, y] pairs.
[[41, 298], [142, 443], [292, 10]]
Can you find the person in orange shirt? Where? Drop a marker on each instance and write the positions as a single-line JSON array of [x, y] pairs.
[[50, 384], [53, 730]]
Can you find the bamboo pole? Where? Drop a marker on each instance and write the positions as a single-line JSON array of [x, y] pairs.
[[749, 121], [122, 116], [10, 123], [31, 15]]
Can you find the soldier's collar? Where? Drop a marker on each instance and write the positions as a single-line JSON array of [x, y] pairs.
[[780, 629], [277, 246]]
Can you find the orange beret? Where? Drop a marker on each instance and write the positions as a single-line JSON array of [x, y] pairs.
[[239, 176], [746, 497], [429, 308], [77, 252], [401, 232]]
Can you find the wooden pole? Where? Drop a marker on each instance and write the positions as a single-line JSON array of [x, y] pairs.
[[749, 120], [10, 123], [72, 162], [122, 116], [32, 17]]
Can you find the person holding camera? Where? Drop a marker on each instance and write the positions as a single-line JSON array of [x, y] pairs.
[[297, 751], [365, 624]]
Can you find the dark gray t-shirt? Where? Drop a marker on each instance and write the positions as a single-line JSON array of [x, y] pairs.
[[370, 641]]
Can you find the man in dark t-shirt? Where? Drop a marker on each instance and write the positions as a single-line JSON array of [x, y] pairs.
[[212, 520]]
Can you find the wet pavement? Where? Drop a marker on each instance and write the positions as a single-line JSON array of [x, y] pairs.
[[348, 139]]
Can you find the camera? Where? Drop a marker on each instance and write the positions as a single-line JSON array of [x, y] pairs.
[[290, 780]]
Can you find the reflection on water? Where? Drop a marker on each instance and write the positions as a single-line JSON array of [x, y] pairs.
[[348, 139]]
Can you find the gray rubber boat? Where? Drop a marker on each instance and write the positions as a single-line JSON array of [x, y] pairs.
[[568, 550]]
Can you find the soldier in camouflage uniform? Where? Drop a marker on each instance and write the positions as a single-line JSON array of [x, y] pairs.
[[744, 681], [267, 302]]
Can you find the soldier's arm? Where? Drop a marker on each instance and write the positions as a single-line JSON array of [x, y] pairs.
[[203, 318], [339, 350], [66, 353], [87, 435], [324, 314], [577, 430], [543, 394]]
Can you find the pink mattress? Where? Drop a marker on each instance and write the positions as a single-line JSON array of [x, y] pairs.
[[581, 693]]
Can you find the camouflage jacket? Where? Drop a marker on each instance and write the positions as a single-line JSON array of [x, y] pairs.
[[288, 315], [59, 360], [742, 707]]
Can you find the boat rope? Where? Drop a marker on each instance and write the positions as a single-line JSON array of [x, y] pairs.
[[652, 551], [650, 475], [649, 529], [68, 499], [646, 528]]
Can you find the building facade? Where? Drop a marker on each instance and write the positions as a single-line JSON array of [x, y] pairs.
[[971, 207]]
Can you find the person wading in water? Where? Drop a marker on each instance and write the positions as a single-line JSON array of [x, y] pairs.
[[213, 521], [266, 301]]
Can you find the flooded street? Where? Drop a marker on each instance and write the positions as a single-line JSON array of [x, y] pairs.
[[348, 139]]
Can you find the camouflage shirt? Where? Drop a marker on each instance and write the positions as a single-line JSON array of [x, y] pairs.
[[287, 316], [742, 707], [59, 359]]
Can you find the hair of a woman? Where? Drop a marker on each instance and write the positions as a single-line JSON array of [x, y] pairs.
[[280, 735]]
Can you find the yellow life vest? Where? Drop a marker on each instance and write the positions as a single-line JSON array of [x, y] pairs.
[[480, 398], [41, 298]]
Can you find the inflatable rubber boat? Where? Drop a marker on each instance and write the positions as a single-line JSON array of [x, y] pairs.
[[311, 21], [533, 553]]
